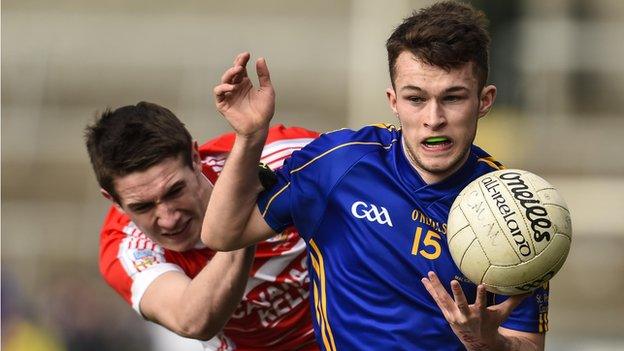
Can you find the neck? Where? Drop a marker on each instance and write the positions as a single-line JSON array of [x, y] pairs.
[[429, 177], [206, 189]]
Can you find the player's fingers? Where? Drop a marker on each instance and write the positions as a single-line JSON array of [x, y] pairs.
[[481, 300], [264, 77], [460, 298], [241, 60], [443, 296], [436, 298], [232, 75], [220, 91]]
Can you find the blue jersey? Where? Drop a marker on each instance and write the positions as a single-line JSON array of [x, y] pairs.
[[374, 228]]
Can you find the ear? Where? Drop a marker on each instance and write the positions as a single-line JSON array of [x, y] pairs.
[[111, 199], [196, 158], [486, 100], [392, 100]]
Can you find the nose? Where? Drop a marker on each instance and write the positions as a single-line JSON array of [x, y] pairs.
[[435, 118], [167, 216]]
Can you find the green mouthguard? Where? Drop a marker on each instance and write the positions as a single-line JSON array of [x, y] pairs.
[[436, 139]]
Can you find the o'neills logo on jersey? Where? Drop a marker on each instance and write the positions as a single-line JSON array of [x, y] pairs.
[[372, 213]]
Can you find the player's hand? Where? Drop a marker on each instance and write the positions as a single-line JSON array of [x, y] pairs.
[[247, 109], [476, 325]]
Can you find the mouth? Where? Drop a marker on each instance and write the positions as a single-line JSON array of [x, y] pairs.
[[437, 143], [179, 231]]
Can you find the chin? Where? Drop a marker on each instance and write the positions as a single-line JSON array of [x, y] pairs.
[[442, 168], [181, 246]]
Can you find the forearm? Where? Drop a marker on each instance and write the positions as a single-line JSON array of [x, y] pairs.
[[234, 195], [517, 343], [212, 296]]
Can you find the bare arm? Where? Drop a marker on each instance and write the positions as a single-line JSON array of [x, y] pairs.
[[477, 325], [232, 207], [198, 308], [518, 340]]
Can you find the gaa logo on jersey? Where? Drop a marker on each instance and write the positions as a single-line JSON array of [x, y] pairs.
[[372, 213]]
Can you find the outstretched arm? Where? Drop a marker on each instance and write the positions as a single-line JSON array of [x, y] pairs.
[[478, 325], [198, 308], [232, 219]]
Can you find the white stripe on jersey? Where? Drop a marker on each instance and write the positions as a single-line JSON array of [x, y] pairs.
[[216, 161], [274, 266], [285, 144], [141, 281], [143, 261]]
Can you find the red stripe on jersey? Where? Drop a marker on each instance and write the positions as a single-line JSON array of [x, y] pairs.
[[111, 269], [225, 142], [272, 163]]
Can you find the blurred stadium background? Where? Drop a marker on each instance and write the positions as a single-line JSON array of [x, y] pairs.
[[558, 65]]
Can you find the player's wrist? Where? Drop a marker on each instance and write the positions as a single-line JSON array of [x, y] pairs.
[[475, 343], [495, 342], [254, 137]]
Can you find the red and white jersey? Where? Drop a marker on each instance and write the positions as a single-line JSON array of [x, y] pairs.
[[274, 313]]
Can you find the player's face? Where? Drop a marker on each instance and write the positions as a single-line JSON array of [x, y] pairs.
[[438, 111], [167, 201]]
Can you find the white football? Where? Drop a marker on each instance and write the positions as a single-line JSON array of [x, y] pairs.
[[509, 230]]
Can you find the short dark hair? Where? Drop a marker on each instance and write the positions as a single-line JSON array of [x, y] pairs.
[[134, 138], [447, 34]]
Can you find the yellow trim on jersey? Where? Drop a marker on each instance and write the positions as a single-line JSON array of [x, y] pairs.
[[339, 147], [317, 308], [273, 198], [323, 322], [543, 322], [384, 126], [492, 162]]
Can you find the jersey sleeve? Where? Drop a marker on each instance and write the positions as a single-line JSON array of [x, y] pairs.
[[129, 261], [531, 315], [306, 180]]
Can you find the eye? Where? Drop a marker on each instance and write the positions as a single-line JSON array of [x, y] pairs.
[[141, 207], [175, 191], [453, 98], [416, 99]]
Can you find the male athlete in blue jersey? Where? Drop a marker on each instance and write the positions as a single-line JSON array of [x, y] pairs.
[[372, 204]]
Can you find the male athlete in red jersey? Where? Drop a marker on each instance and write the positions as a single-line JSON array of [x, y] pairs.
[[150, 250]]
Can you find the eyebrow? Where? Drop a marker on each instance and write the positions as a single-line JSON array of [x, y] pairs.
[[137, 205], [453, 89], [175, 186]]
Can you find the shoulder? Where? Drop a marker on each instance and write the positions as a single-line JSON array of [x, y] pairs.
[[347, 145], [281, 132], [224, 142], [485, 160], [114, 220], [280, 143], [123, 243], [376, 135]]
